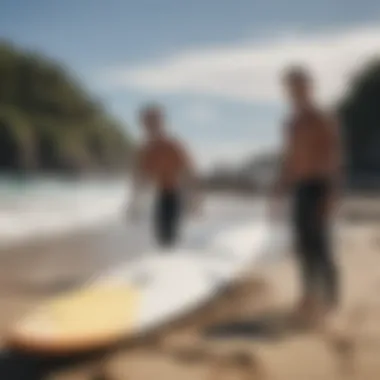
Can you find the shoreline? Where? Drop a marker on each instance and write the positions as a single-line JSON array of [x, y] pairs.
[[357, 207]]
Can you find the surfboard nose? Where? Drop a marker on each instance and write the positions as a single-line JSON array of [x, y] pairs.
[[84, 319]]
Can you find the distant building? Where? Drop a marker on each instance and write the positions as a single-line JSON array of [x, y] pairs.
[[255, 175]]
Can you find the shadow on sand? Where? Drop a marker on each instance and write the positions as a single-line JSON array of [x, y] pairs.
[[20, 366], [16, 365], [270, 325]]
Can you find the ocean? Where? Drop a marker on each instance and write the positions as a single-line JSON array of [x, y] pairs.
[[46, 206]]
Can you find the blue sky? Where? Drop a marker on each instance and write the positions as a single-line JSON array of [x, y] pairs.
[[214, 64]]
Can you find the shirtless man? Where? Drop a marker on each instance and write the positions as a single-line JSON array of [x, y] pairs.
[[164, 162], [311, 170]]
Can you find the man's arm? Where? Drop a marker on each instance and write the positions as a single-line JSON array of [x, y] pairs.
[[189, 173], [334, 146], [138, 180]]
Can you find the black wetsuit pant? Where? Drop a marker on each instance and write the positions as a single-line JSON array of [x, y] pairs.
[[313, 244], [167, 217]]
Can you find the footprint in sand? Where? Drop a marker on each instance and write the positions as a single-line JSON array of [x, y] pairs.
[[242, 365]]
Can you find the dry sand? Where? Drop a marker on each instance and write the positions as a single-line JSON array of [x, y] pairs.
[[245, 334]]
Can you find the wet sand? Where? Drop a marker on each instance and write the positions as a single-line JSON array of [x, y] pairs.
[[247, 332]]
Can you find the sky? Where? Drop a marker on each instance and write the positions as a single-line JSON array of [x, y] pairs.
[[215, 65]]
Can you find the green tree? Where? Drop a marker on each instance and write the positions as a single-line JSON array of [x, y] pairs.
[[49, 122], [360, 112], [17, 141]]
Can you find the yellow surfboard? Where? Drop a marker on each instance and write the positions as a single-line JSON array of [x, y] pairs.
[[87, 318]]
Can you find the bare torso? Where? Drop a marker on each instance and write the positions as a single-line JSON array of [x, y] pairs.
[[312, 149], [163, 163]]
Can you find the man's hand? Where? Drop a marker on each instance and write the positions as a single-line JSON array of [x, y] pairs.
[[276, 202], [276, 208], [195, 206], [133, 212], [331, 204]]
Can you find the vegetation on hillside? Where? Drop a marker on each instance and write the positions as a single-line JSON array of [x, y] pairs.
[[48, 122], [360, 113]]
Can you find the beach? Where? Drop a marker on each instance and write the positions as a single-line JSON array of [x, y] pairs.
[[246, 332]]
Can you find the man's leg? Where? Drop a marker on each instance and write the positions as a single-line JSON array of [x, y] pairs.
[[322, 247], [167, 218], [303, 238], [160, 219], [329, 274], [173, 218]]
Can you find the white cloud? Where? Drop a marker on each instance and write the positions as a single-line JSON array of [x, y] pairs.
[[200, 114], [250, 71]]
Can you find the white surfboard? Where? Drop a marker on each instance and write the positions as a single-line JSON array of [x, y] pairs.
[[130, 300]]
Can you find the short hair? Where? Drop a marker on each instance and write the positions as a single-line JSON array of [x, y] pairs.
[[150, 109], [297, 73]]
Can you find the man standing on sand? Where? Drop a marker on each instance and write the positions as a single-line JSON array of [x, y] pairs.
[[311, 171], [165, 163]]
